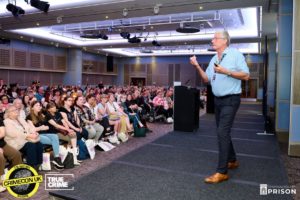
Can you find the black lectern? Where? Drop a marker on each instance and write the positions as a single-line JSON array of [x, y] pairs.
[[186, 108]]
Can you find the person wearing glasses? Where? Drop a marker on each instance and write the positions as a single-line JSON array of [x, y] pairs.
[[225, 72]]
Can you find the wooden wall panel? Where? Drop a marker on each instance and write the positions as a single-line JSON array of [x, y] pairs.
[[138, 68], [149, 74], [177, 72], [101, 67], [126, 74], [61, 63], [115, 68], [171, 74], [48, 62], [20, 59], [5, 57], [35, 60]]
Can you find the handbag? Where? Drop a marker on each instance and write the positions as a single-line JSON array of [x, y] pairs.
[[114, 117], [90, 144], [140, 131], [69, 161]]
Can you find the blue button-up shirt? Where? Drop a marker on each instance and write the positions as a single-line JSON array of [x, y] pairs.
[[223, 84]]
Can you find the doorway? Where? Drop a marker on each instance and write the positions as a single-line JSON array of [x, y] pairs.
[[249, 88], [138, 81]]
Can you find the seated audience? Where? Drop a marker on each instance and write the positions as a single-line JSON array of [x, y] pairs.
[[87, 118], [37, 119], [7, 153], [20, 135]]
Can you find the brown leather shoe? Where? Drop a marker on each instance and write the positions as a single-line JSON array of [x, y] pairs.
[[233, 165], [216, 178]]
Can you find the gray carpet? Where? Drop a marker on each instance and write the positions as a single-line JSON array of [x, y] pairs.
[[173, 166]]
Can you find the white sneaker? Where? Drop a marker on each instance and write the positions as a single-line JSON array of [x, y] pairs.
[[170, 120]]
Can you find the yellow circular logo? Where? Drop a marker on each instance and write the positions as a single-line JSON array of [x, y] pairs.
[[22, 181]]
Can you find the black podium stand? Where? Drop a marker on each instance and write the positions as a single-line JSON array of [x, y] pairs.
[[186, 108], [210, 104]]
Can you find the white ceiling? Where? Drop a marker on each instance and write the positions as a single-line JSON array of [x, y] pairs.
[[64, 23]]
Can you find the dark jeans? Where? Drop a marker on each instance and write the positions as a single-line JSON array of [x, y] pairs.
[[225, 110], [84, 134], [33, 153]]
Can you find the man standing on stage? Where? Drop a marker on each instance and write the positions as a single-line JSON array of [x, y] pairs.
[[225, 72]]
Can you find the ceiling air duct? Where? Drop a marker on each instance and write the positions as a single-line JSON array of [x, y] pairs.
[[187, 29]]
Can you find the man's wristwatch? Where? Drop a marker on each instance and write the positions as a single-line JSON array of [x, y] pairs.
[[229, 73]]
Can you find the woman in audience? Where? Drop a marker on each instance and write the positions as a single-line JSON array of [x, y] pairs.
[[115, 112], [5, 101], [71, 118], [162, 107], [57, 124], [37, 119], [131, 109], [6, 153], [20, 136], [19, 105], [56, 96], [26, 104], [87, 118], [103, 116]]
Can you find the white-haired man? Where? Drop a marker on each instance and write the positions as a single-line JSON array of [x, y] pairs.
[[225, 72]]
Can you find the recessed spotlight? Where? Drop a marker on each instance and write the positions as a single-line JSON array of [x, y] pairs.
[[31, 40], [37, 24], [200, 7], [152, 27], [125, 12], [106, 17], [21, 37]]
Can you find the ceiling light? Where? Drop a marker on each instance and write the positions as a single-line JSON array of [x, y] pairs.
[[134, 40], [187, 29], [125, 35], [156, 43], [15, 10], [156, 8], [59, 19], [125, 12], [146, 51], [94, 36], [41, 5]]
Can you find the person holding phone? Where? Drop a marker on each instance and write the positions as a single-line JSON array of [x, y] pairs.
[[224, 72]]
